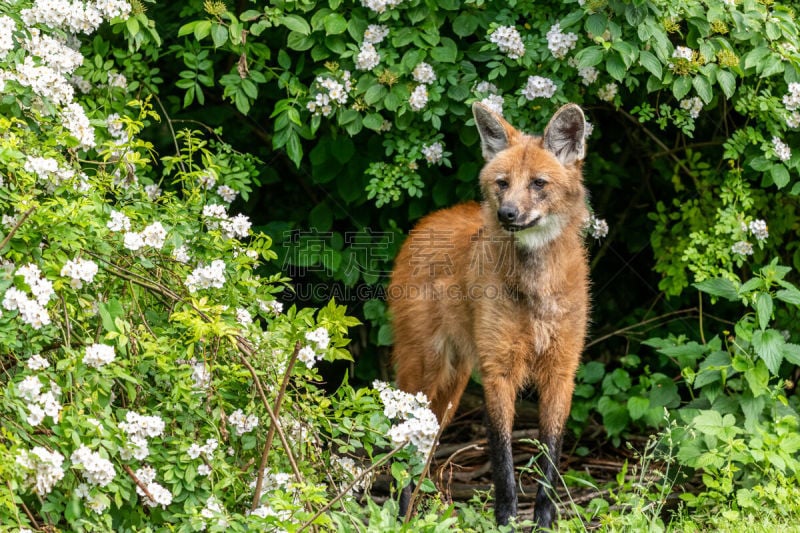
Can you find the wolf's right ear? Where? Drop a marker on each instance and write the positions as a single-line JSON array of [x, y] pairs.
[[496, 134]]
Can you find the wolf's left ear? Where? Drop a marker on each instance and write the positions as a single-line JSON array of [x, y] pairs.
[[496, 134], [564, 135]]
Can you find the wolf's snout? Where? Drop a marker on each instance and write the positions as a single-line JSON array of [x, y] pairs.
[[507, 214]]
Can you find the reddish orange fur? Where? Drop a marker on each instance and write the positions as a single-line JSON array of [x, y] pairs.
[[525, 321]]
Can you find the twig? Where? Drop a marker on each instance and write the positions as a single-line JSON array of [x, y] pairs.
[[271, 433], [352, 484], [11, 233], [138, 482], [415, 494], [638, 324], [24, 507], [66, 320], [169, 123]]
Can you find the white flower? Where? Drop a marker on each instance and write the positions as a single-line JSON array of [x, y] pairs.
[[243, 317], [241, 423], [153, 191], [419, 98], [368, 57], [96, 469], [539, 87], [693, 105], [607, 92], [682, 52], [98, 355], [142, 425], [205, 277], [7, 29], [203, 470], [118, 222], [423, 73], [133, 241], [238, 226], [417, 423], [782, 150], [194, 451], [379, 6], [115, 79], [215, 214], [154, 235], [598, 227], [560, 43], [792, 99], [433, 153], [207, 179], [35, 415], [320, 336], [42, 469], [29, 388], [759, 229], [494, 102], [74, 119], [509, 41], [79, 271], [486, 87], [588, 75], [375, 33], [308, 356], [228, 194], [742, 248], [201, 376], [271, 307], [37, 362], [181, 254], [161, 496], [793, 120]]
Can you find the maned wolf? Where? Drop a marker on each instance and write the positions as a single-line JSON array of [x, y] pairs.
[[504, 285]]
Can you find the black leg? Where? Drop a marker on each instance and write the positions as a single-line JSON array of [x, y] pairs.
[[505, 490], [545, 509], [405, 499]]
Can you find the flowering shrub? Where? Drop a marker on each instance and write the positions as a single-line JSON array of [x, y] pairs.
[[153, 374]]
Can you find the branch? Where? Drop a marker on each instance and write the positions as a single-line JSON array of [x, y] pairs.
[[638, 324], [271, 434], [11, 233], [138, 482], [352, 484]]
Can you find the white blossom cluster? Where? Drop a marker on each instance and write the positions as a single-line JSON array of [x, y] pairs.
[[98, 355], [39, 404], [242, 423], [44, 81], [195, 450], [509, 41], [74, 16], [320, 336], [207, 179], [423, 73], [270, 307], [54, 53], [161, 496], [228, 194], [494, 102], [213, 509], [7, 28], [96, 469], [353, 471], [433, 153], [588, 129], [368, 57], [79, 271], [417, 423], [379, 6], [200, 375], [37, 362], [560, 43], [791, 101], [116, 128], [32, 311], [742, 248], [597, 227], [207, 276], [116, 79], [539, 87], [419, 98], [77, 123], [181, 254], [48, 170], [759, 229], [310, 355], [119, 221], [693, 105], [153, 191], [588, 75], [243, 316], [97, 503], [216, 217], [330, 92], [153, 235], [683, 52], [375, 33], [782, 150], [42, 469], [138, 428], [607, 92]]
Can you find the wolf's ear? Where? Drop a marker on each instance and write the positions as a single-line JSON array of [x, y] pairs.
[[564, 135], [496, 134]]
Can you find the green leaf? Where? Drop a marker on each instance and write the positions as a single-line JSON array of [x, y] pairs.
[[187, 28], [703, 87], [446, 53], [615, 415], [638, 407], [791, 352], [615, 66], [321, 218], [769, 346], [294, 149], [708, 422], [727, 82], [299, 42], [202, 29], [681, 86], [590, 56], [219, 34], [780, 175], [385, 335], [791, 296], [721, 287], [592, 372], [596, 24], [651, 63], [375, 94], [465, 25], [373, 121], [335, 24], [763, 309], [296, 23]]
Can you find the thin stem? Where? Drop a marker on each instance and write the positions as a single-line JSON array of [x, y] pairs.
[[66, 321], [271, 434], [11, 233], [700, 306], [352, 484], [415, 494], [638, 324], [138, 482]]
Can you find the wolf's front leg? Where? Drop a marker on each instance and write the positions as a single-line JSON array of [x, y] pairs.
[[499, 397]]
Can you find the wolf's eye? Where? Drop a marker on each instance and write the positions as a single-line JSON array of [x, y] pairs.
[[502, 184], [538, 183]]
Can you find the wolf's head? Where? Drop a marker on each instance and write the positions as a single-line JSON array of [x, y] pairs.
[[533, 184]]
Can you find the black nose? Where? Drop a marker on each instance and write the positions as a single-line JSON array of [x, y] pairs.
[[507, 213]]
